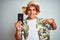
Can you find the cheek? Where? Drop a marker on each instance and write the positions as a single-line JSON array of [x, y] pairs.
[[34, 12], [28, 12]]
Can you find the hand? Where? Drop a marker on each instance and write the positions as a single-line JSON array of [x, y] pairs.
[[48, 21], [18, 25]]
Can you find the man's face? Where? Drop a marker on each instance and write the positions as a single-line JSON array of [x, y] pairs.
[[32, 12]]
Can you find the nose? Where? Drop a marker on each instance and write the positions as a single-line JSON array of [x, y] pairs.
[[31, 12]]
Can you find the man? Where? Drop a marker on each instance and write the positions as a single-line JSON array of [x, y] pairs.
[[37, 30]]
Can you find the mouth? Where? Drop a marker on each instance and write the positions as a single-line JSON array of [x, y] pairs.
[[31, 14]]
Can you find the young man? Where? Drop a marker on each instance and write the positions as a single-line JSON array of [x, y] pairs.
[[37, 29]]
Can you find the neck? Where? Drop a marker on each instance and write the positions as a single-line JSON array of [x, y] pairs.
[[31, 18]]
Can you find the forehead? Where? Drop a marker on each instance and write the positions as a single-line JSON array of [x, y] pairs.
[[32, 7]]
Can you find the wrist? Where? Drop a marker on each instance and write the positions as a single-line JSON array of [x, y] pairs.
[[18, 29]]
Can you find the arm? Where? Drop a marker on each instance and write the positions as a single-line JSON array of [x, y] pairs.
[[51, 22], [17, 34], [54, 26]]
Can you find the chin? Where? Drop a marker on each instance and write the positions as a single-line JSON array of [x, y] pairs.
[[31, 17]]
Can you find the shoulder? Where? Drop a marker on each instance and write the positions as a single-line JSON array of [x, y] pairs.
[[39, 19], [25, 21]]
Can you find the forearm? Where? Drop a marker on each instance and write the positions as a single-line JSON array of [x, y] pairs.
[[18, 35], [54, 26], [51, 22]]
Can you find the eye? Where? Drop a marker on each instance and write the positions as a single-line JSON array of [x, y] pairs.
[[34, 9], [29, 9]]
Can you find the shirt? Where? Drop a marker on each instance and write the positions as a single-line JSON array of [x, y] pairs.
[[36, 29], [33, 34]]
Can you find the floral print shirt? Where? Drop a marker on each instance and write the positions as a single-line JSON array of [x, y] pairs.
[[43, 29]]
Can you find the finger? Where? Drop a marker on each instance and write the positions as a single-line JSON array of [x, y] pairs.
[[43, 21], [20, 22], [50, 20]]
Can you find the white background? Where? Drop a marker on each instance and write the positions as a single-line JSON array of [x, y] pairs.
[[9, 10]]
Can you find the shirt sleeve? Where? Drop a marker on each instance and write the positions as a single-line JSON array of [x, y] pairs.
[[48, 26]]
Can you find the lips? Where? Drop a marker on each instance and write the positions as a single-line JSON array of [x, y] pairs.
[[31, 14]]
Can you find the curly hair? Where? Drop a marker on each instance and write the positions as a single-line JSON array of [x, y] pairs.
[[36, 7]]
